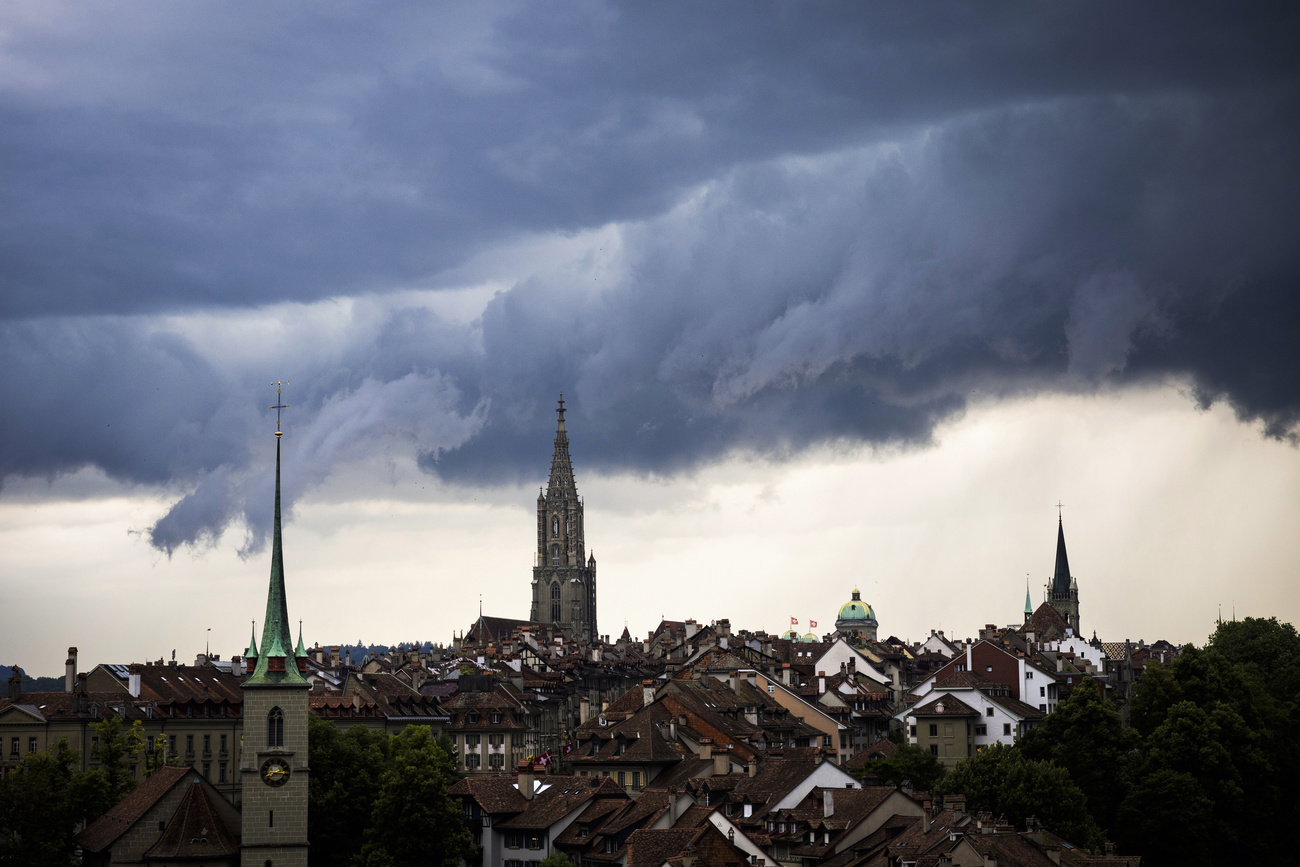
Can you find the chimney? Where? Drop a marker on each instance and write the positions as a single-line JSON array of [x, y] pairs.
[[584, 710], [70, 675], [733, 681], [672, 807], [526, 780], [925, 821], [15, 685], [785, 673], [957, 803], [647, 693], [691, 628], [1110, 850], [721, 763], [672, 730], [752, 767], [133, 684], [706, 748], [828, 803]]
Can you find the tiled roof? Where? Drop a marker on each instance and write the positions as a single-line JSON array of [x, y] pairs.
[[946, 705], [1010, 850], [196, 830], [63, 705], [182, 684], [495, 795], [881, 749], [652, 847], [561, 799], [101, 833]]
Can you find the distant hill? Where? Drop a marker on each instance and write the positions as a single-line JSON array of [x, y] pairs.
[[31, 684]]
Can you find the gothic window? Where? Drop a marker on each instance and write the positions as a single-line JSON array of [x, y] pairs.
[[555, 603], [275, 728], [555, 526], [555, 555]]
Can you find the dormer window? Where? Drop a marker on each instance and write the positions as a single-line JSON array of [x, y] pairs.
[[496, 719], [471, 717]]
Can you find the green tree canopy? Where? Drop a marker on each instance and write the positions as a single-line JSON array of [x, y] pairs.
[[1001, 780], [1085, 736], [41, 803], [413, 820], [376, 800], [909, 762]]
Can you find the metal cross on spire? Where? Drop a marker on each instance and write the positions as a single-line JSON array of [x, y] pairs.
[[1059, 505], [561, 408], [279, 405]]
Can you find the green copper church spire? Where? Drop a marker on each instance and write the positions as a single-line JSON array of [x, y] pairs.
[[277, 635], [1029, 605]]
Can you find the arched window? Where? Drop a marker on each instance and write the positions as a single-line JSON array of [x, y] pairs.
[[555, 526], [555, 555], [275, 728], [555, 603]]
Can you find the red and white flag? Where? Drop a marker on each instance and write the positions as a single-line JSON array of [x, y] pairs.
[[812, 624], [794, 621]]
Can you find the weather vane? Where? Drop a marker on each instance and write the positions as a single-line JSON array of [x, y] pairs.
[[279, 405]]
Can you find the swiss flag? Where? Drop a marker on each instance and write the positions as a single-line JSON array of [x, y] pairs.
[[794, 621], [812, 624]]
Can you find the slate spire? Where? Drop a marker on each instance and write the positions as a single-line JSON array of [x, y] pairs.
[[1061, 578]]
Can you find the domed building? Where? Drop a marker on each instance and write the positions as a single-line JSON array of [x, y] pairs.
[[856, 618], [810, 638]]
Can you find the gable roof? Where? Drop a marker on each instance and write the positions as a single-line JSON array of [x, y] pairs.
[[196, 830], [119, 818]]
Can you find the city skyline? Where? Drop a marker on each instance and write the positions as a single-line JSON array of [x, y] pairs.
[[837, 296]]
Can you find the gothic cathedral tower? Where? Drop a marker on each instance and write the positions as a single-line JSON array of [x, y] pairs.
[[564, 585], [273, 776], [1063, 592]]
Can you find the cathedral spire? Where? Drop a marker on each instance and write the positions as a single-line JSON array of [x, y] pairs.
[[561, 483], [277, 633], [1029, 605]]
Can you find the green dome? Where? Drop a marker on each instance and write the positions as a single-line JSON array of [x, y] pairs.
[[809, 638], [790, 635], [856, 609]]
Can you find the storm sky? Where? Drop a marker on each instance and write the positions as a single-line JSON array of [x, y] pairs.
[[958, 253]]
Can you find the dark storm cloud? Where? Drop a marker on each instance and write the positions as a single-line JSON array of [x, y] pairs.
[[833, 222]]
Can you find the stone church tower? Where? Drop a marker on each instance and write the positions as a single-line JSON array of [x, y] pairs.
[[1063, 592], [564, 584], [273, 776]]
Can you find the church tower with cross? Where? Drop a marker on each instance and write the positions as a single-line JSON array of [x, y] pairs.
[[273, 777], [1063, 590], [564, 576]]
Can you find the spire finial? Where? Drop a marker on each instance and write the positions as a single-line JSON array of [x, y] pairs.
[[278, 405], [1059, 506]]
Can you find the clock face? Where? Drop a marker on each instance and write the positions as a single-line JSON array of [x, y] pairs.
[[275, 772]]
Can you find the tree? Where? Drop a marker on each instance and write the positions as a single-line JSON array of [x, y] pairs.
[[116, 751], [344, 783], [414, 820], [909, 762], [41, 803], [1085, 736], [1001, 780], [556, 859]]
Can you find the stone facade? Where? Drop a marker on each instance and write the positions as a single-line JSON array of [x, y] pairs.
[[275, 817], [564, 578]]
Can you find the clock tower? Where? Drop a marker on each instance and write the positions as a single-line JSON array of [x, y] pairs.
[[273, 776]]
